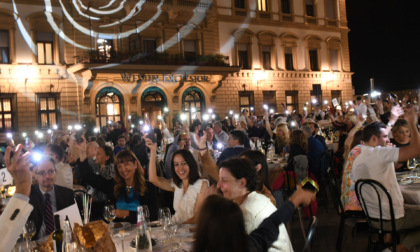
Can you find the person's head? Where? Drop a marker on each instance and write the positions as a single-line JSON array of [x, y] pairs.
[[350, 120], [45, 173], [121, 141], [135, 139], [210, 134], [220, 227], [185, 138], [358, 100], [299, 138], [357, 139], [195, 126], [91, 149], [128, 172], [282, 131], [307, 130], [217, 127], [101, 141], [104, 155], [237, 178], [236, 137], [260, 163], [375, 134], [184, 167], [312, 124], [401, 131], [243, 124], [55, 151]]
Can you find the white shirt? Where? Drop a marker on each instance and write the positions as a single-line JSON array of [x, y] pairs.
[[64, 176], [361, 108], [222, 138], [377, 163]]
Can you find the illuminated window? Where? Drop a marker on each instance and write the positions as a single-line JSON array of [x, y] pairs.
[[108, 107], [189, 50], [285, 6], [292, 101], [310, 8], [48, 110], [263, 5], [246, 100], [193, 103], [105, 48], [4, 47], [45, 47], [313, 58], [288, 58], [7, 106]]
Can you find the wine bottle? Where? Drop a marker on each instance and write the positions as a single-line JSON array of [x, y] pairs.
[[143, 239], [57, 235]]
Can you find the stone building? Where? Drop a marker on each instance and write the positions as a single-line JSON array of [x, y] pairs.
[[64, 61]]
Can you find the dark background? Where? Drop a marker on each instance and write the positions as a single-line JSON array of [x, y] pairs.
[[384, 42]]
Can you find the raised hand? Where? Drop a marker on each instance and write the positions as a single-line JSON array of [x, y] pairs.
[[18, 167]]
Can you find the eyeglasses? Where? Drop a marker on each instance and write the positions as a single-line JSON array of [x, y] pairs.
[[43, 173]]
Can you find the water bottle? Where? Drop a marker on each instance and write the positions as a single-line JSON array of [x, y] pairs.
[[143, 239]]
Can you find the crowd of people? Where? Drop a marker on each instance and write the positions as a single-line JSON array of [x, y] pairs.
[[217, 171]]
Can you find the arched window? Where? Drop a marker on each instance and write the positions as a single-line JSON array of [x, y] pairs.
[[109, 106], [153, 100], [193, 103]]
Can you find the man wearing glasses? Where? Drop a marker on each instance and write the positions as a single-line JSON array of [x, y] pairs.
[[47, 198]]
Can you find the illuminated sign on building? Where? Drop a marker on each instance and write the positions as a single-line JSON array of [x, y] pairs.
[[132, 77]]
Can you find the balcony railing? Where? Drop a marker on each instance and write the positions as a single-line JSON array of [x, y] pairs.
[[91, 57]]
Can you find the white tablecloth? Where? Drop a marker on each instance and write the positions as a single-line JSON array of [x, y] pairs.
[[411, 193], [183, 235], [332, 145]]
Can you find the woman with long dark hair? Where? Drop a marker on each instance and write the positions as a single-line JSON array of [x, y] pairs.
[[185, 183]]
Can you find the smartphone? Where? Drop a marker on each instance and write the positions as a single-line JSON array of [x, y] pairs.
[[309, 184], [393, 98], [200, 133], [151, 136]]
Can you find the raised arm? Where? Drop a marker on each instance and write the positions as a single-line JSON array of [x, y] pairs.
[[208, 163], [267, 125], [413, 150], [160, 182]]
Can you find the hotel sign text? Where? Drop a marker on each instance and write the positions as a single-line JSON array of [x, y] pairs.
[[133, 77]]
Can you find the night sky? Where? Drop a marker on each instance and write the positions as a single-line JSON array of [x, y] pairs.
[[384, 42]]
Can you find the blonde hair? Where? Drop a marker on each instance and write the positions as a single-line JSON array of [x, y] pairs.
[[284, 139], [352, 118]]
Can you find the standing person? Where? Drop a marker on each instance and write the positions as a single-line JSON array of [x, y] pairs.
[[360, 106], [18, 209], [64, 176], [195, 128], [220, 135], [47, 198], [138, 147], [376, 161], [185, 183], [238, 182]]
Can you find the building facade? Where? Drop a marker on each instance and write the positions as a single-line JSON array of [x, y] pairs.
[[63, 62]]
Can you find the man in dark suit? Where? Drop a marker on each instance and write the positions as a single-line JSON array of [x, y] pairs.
[[47, 198], [236, 146]]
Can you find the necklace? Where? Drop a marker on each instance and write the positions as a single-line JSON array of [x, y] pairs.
[[129, 187]]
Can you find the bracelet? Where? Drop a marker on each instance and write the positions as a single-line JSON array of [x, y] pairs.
[[203, 148]]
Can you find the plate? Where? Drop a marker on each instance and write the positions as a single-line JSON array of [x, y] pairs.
[[406, 181]]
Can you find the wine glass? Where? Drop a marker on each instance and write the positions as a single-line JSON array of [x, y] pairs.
[[29, 231], [109, 214], [411, 165], [163, 211], [170, 229], [121, 235]]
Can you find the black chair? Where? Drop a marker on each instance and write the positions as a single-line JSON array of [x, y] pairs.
[[363, 186], [79, 194], [310, 234], [358, 216]]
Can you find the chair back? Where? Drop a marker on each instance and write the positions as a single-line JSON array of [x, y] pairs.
[[79, 194], [311, 233], [335, 191], [369, 189]]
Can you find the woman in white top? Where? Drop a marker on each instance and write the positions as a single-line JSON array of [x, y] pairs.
[[185, 183]]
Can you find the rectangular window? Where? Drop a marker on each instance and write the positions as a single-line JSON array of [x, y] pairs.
[[263, 5], [285, 6], [292, 101], [288, 58], [269, 98], [313, 59], [243, 56], [330, 5], [45, 47], [240, 4], [48, 109], [310, 8], [316, 94], [134, 43], [266, 57], [149, 46], [189, 50], [334, 59], [4, 47], [246, 100], [337, 95], [7, 106]]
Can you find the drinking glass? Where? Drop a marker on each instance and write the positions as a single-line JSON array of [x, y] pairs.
[[109, 214], [411, 165], [29, 231], [170, 229], [146, 213], [163, 211]]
